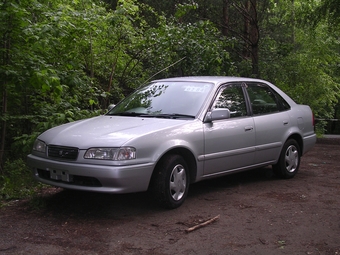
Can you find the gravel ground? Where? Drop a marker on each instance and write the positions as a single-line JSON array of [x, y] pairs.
[[256, 214]]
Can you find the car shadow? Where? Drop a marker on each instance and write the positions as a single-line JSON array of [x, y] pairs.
[[86, 205], [232, 180], [63, 203]]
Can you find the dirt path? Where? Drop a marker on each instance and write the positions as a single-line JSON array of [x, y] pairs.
[[258, 214]]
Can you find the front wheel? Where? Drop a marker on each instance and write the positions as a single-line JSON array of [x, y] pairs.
[[170, 183], [289, 161]]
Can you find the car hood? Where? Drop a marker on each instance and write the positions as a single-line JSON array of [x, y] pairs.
[[105, 131]]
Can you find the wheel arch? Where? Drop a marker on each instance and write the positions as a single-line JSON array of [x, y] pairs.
[[187, 155], [298, 139], [288, 161]]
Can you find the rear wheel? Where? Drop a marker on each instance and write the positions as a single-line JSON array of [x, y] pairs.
[[289, 161], [170, 182]]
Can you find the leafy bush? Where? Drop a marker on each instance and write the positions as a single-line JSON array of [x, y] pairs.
[[17, 181]]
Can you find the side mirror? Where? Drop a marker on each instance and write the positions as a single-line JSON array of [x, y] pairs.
[[217, 114]]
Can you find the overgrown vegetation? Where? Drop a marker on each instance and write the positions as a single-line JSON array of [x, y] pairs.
[[64, 60], [16, 182]]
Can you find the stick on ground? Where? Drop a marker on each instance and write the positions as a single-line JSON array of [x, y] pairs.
[[202, 224]]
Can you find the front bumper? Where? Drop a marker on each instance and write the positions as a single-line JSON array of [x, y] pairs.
[[90, 177]]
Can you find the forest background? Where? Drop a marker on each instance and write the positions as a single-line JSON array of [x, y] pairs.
[[64, 60]]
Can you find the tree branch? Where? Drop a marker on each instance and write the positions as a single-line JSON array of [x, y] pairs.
[[203, 224]]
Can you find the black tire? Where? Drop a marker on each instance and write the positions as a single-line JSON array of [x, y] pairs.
[[289, 161], [170, 182]]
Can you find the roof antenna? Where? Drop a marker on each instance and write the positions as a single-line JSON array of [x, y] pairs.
[[113, 105], [163, 70]]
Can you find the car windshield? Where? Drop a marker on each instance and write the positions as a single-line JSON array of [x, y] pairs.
[[165, 99]]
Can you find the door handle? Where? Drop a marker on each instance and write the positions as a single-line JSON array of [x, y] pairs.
[[248, 128], [285, 122]]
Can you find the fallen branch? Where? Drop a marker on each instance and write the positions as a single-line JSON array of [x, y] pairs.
[[202, 224]]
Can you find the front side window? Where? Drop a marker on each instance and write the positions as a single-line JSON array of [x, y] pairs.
[[232, 98]]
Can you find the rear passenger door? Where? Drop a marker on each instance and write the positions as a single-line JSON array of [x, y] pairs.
[[271, 121]]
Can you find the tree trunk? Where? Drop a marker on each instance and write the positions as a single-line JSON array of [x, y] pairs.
[[254, 38], [245, 28], [6, 44], [251, 35], [225, 21], [293, 22], [3, 129]]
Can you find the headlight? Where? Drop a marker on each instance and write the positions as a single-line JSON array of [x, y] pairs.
[[124, 153], [39, 146]]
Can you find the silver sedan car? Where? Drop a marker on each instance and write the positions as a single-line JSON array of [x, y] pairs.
[[174, 132]]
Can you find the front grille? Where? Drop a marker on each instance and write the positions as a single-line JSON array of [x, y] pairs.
[[62, 152]]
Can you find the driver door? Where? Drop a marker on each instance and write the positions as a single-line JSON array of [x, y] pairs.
[[229, 143]]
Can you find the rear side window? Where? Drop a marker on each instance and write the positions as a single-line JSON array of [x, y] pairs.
[[263, 100]]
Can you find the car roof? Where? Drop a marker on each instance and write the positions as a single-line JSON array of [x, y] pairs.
[[212, 79], [217, 80]]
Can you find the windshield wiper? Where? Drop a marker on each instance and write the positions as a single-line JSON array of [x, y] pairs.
[[161, 115], [169, 115], [131, 114]]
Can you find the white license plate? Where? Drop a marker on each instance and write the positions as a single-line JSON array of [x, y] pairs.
[[60, 175]]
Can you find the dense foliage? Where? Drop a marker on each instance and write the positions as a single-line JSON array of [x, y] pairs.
[[65, 60]]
